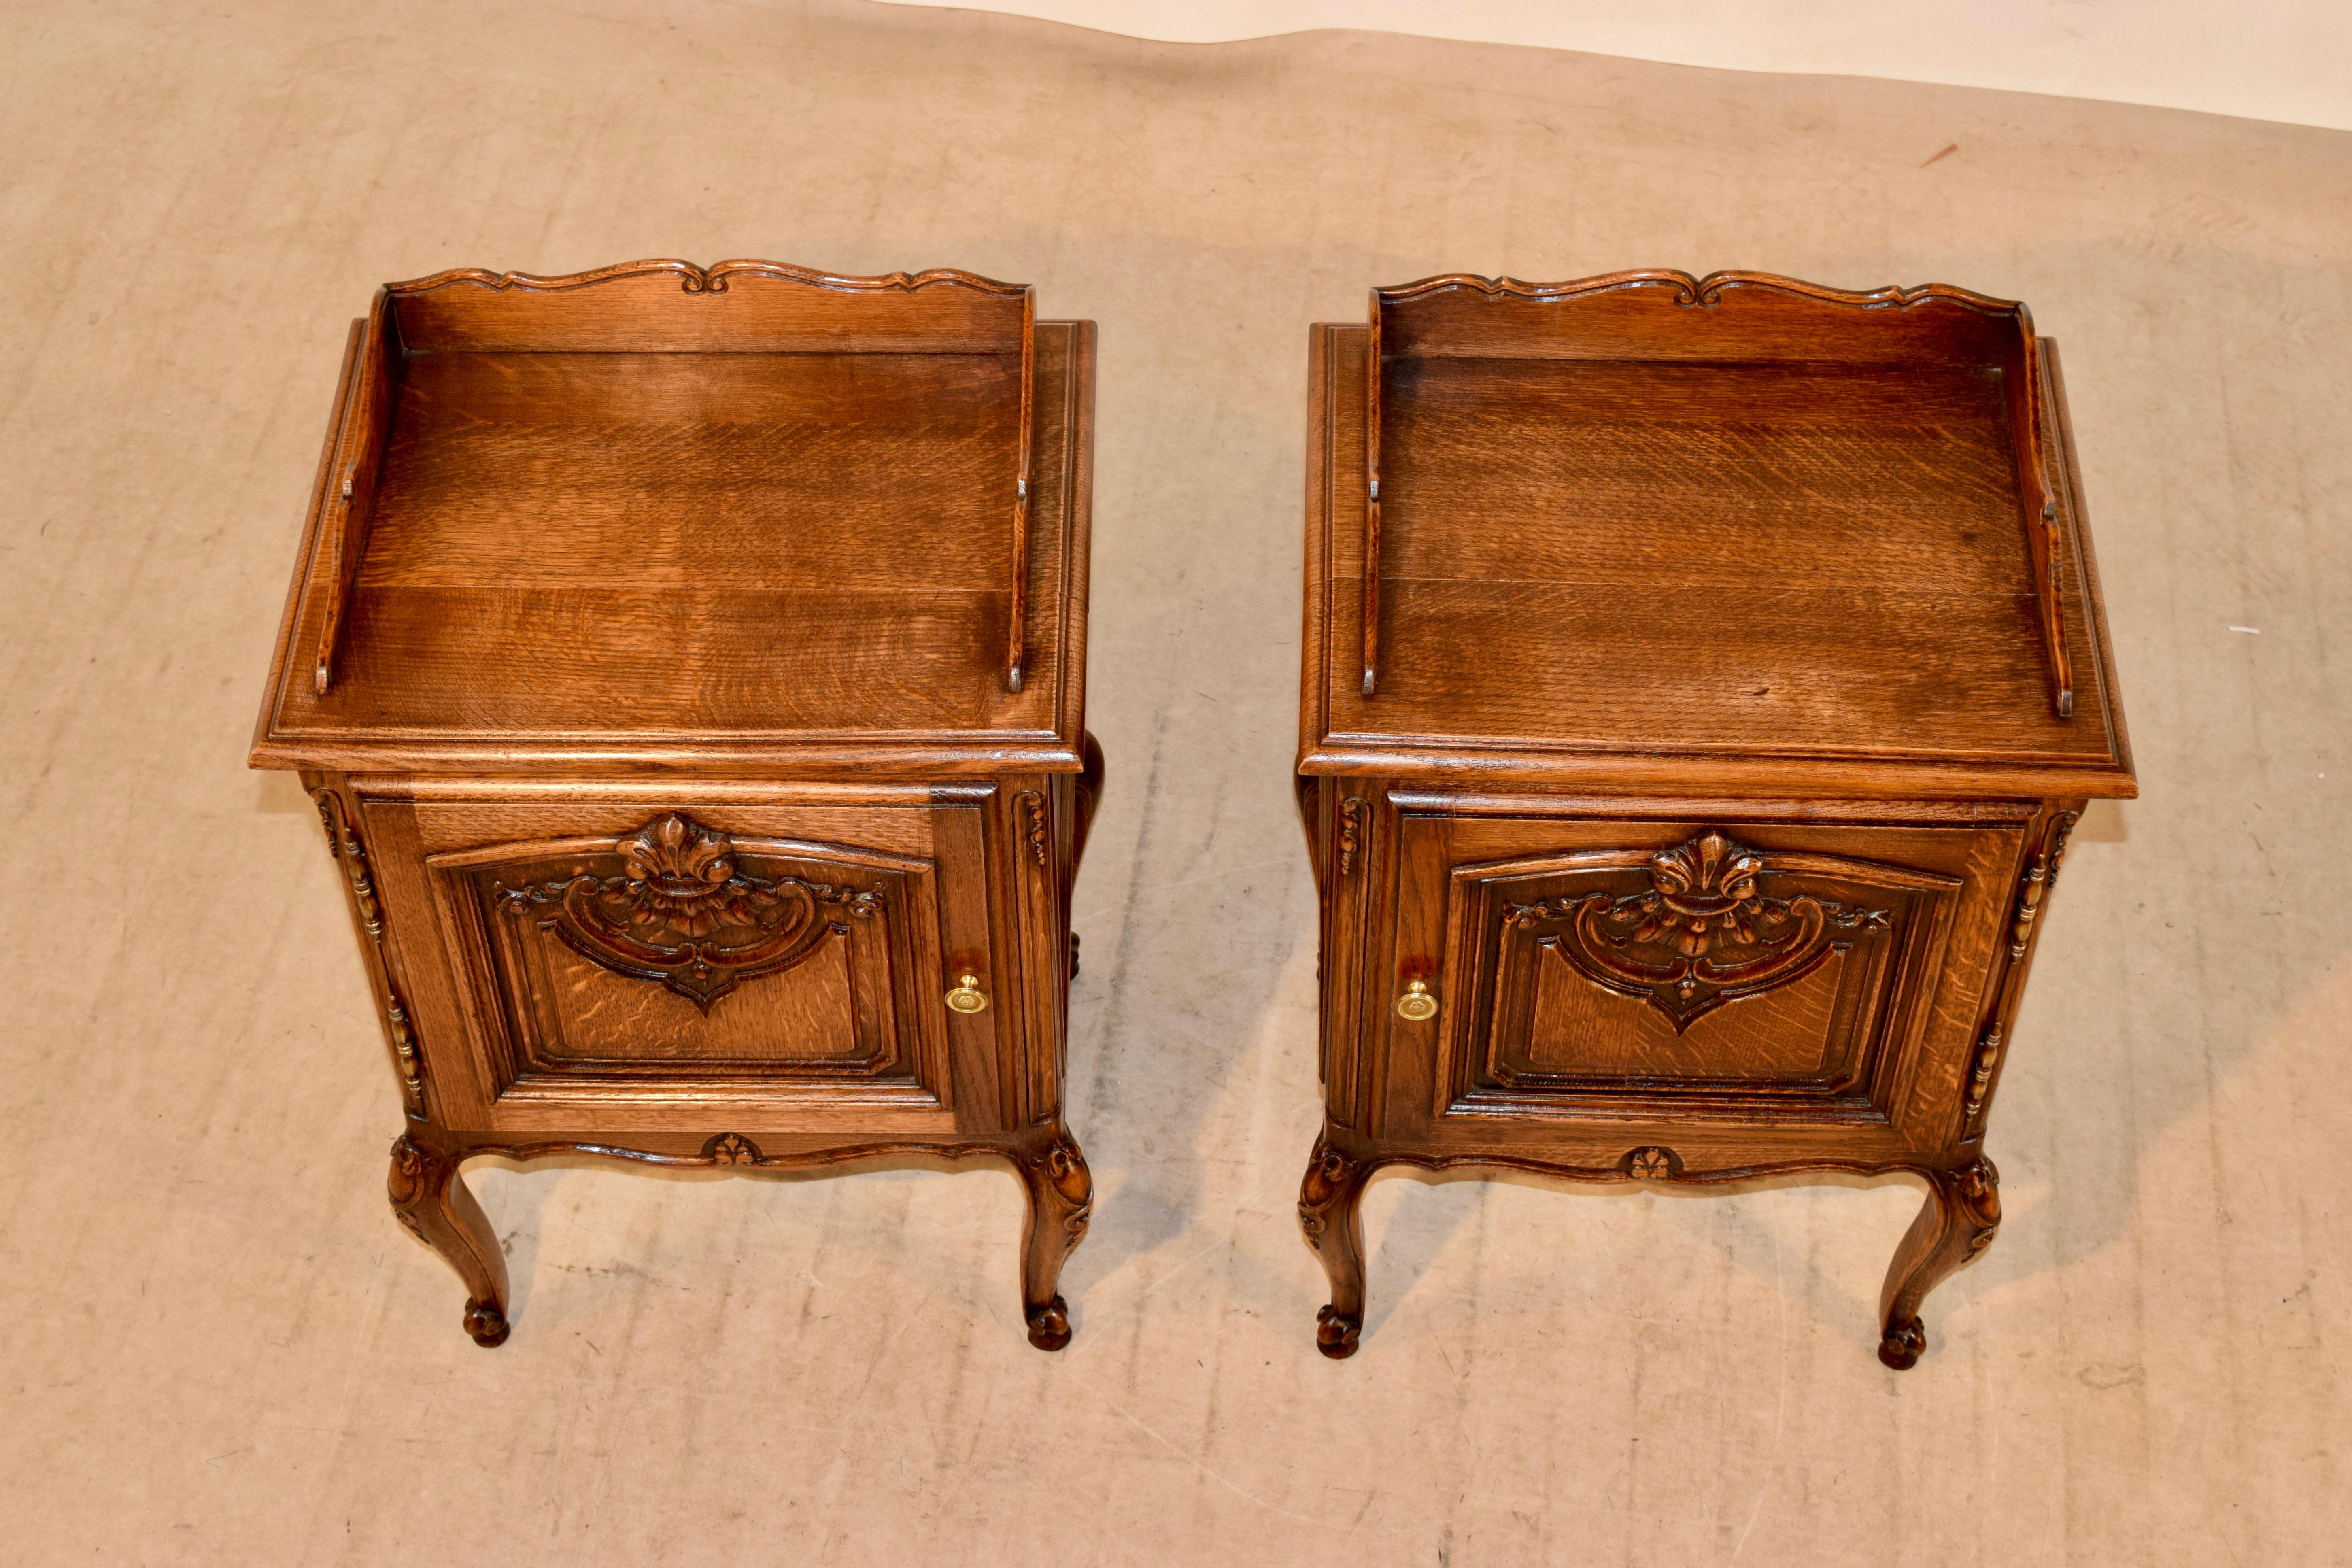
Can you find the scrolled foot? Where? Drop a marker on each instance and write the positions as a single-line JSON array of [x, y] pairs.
[[1336, 1332], [1328, 1196], [486, 1323], [1957, 1223], [1049, 1325], [433, 1203], [1061, 1200]]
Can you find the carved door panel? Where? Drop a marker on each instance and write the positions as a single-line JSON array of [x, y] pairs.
[[647, 963], [1769, 975]]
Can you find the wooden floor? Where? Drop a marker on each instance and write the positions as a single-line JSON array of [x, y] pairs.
[[223, 1349]]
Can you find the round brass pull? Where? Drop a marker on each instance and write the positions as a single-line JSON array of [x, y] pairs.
[[1416, 1004], [966, 997]]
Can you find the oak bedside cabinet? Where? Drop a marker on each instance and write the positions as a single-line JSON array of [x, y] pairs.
[[1701, 680], [689, 668]]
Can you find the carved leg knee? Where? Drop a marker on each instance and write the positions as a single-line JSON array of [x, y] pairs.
[[432, 1200], [1061, 1201], [1327, 1200], [1955, 1224]]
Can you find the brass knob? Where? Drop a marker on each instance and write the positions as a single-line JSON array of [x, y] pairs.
[[1416, 1004], [966, 997]]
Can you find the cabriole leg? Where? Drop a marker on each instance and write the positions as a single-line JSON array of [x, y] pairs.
[[1954, 1227], [1327, 1198], [432, 1200], [1061, 1200]]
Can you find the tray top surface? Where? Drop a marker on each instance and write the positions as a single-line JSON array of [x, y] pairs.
[[1642, 552], [611, 550]]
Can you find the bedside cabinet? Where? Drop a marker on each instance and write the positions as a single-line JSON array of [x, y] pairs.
[[689, 668], [1701, 679]]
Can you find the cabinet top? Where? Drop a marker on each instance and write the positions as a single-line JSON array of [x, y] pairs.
[[663, 516], [1735, 533]]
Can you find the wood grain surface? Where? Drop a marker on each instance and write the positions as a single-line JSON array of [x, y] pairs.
[[1823, 568], [847, 513]]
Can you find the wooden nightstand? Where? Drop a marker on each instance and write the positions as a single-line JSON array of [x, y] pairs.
[[1701, 680], [690, 667]]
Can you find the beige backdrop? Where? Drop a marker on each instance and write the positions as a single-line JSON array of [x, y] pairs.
[[220, 1349], [2271, 59]]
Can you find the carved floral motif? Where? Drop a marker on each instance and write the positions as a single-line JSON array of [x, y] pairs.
[[683, 914], [408, 1185], [1351, 828], [732, 1149], [344, 844], [1977, 1188], [1330, 1176], [1702, 934], [712, 279], [1060, 1170], [1652, 1164], [1708, 291], [1033, 824]]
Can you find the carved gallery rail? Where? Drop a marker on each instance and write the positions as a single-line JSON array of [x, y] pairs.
[[707, 778], [1701, 679]]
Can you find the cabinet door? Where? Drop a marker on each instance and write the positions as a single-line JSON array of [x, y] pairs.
[[1817, 979], [774, 963]]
